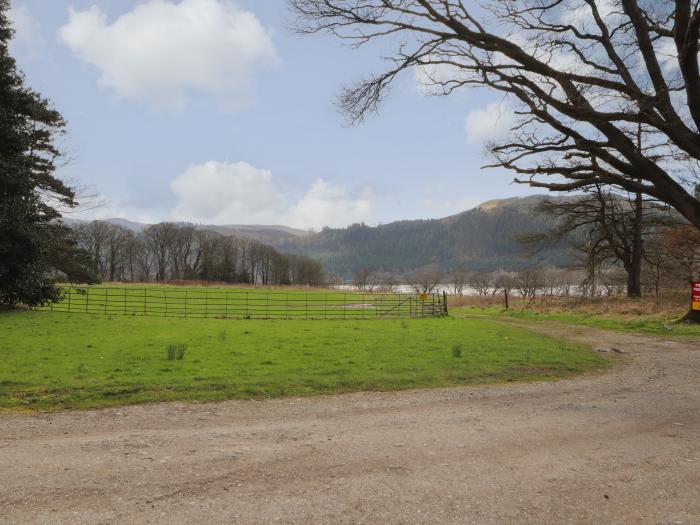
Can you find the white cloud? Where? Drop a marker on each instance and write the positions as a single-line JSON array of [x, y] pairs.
[[327, 205], [162, 51], [238, 193], [491, 123], [221, 192], [27, 40]]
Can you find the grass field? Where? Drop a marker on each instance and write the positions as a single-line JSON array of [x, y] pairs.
[[56, 360], [242, 303], [649, 323]]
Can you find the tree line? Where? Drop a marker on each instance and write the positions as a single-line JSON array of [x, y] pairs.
[[183, 252]]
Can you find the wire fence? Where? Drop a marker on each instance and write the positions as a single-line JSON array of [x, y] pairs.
[[246, 304]]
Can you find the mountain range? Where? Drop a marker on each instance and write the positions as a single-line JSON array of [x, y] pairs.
[[483, 238]]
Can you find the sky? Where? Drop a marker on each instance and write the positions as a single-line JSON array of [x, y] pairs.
[[215, 112]]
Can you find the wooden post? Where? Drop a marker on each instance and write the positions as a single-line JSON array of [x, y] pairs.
[[444, 296], [505, 297]]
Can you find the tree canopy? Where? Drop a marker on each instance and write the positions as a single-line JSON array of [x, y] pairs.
[[603, 92]]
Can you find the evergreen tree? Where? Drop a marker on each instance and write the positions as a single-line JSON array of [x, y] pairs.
[[29, 191]]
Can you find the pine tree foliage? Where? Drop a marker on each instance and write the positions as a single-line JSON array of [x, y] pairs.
[[29, 190]]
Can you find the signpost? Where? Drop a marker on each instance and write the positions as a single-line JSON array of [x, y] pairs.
[[696, 296]]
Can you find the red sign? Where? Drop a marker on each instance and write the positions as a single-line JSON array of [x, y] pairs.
[[696, 296]]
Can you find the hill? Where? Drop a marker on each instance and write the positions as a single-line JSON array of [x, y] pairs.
[[260, 233], [483, 238]]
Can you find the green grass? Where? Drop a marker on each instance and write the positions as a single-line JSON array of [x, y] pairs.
[[241, 303], [53, 360], [644, 323]]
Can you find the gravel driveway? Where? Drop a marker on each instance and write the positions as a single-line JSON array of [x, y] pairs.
[[619, 447]]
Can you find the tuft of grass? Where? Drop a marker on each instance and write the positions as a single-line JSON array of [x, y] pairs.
[[176, 351], [277, 358], [457, 351]]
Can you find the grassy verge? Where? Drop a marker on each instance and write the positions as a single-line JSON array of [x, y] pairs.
[[657, 324], [56, 361]]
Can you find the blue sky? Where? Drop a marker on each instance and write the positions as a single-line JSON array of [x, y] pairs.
[[213, 111]]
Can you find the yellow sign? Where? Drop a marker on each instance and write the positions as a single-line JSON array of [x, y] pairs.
[[424, 297], [696, 305]]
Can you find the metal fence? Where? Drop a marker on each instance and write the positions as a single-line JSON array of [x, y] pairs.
[[246, 304]]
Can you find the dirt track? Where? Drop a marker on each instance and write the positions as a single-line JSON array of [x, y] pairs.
[[622, 447]]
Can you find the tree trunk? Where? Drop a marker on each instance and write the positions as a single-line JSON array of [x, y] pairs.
[[634, 273]]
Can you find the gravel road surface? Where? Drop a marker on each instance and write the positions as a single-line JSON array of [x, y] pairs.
[[618, 447]]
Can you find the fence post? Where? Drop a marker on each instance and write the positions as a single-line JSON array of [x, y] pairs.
[[124, 301], [165, 300], [226, 306], [444, 295], [69, 294], [145, 301], [87, 299], [185, 303], [345, 305], [106, 291]]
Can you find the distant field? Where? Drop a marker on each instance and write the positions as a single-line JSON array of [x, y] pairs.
[[243, 303], [650, 323], [57, 360]]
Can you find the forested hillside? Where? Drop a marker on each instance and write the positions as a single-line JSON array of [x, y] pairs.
[[484, 238]]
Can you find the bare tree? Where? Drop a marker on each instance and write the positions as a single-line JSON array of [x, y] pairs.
[[604, 93], [459, 281], [182, 251], [93, 238], [425, 281], [606, 227], [387, 282], [117, 240], [364, 280], [159, 238], [529, 282], [481, 282]]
